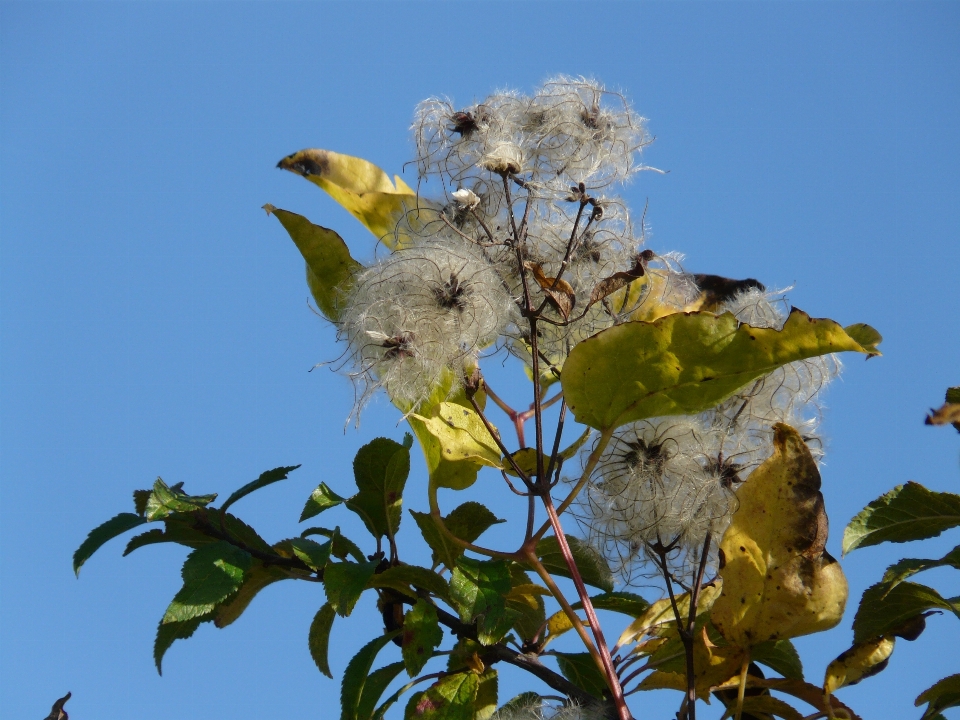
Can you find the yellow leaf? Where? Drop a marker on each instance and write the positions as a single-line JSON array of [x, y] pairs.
[[661, 613], [365, 191], [713, 666], [778, 580], [859, 662], [455, 444]]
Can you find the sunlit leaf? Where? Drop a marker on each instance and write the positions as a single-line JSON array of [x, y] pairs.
[[884, 612], [211, 574], [168, 633], [456, 444], [342, 546], [861, 661], [355, 675], [867, 336], [625, 603], [450, 698], [113, 527], [319, 638], [661, 613], [591, 564], [364, 190], [330, 268], [525, 599], [942, 695], [769, 705], [164, 500], [267, 478], [421, 636], [485, 704], [380, 469], [908, 512], [323, 498], [313, 554], [344, 582], [682, 364], [778, 580]]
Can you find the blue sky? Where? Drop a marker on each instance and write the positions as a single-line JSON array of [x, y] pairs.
[[154, 321]]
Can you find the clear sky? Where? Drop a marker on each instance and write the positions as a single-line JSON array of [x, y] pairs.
[[155, 322]]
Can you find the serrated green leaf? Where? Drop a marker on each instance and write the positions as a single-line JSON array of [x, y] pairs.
[[478, 589], [450, 698], [380, 469], [355, 675], [882, 612], [591, 564], [319, 638], [256, 578], [941, 695], [625, 603], [467, 522], [465, 655], [315, 555], [455, 445], [117, 525], [898, 572], [373, 689], [402, 577], [342, 546], [211, 574], [684, 363], [323, 498], [344, 582], [485, 704], [164, 500], [388, 703], [178, 528], [330, 268], [267, 478], [167, 633], [582, 671], [908, 512], [421, 636], [953, 395], [140, 498], [780, 656]]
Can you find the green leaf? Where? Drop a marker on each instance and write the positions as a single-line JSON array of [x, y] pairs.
[[238, 530], [388, 703], [478, 589], [953, 395], [380, 468], [257, 577], [319, 638], [315, 555], [591, 564], [164, 500], [373, 689], [342, 546], [485, 704], [866, 336], [626, 603], [330, 268], [365, 191], [113, 527], [421, 636], [455, 444], [900, 571], [402, 577], [684, 363], [323, 498], [344, 582], [582, 671], [355, 676], [467, 522], [780, 656], [882, 612], [908, 512], [941, 695], [450, 698], [167, 633], [267, 478], [211, 574], [525, 600], [140, 499]]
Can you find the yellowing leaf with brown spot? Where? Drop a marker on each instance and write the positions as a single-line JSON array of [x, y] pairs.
[[455, 444], [859, 662], [364, 190], [661, 613], [778, 580], [713, 666]]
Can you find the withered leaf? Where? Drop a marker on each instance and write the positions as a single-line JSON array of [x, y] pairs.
[[559, 292], [616, 281]]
